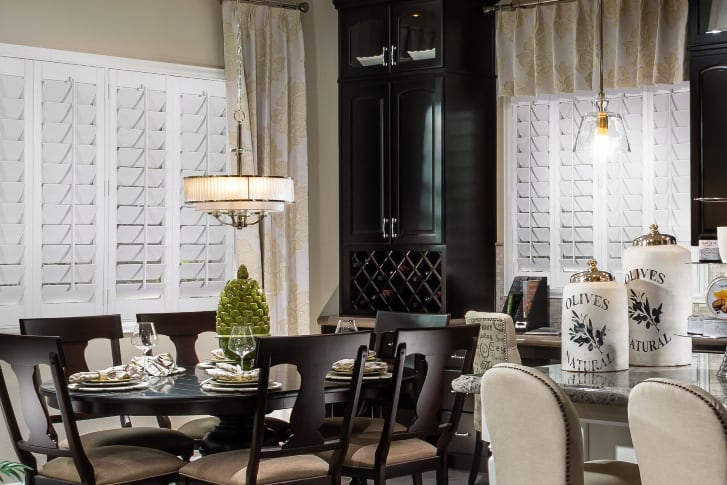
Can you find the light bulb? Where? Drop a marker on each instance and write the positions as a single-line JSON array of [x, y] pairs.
[[603, 146]]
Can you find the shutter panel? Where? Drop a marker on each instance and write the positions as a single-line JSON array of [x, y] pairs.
[[205, 262], [139, 123], [14, 238], [671, 163], [532, 186], [71, 130]]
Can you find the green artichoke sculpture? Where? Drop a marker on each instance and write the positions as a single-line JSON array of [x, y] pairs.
[[242, 302]]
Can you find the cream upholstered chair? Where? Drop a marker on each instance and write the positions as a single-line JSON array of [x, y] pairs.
[[495, 344], [679, 432], [535, 433]]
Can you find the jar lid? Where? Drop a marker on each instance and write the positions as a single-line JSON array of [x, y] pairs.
[[654, 238], [592, 275]]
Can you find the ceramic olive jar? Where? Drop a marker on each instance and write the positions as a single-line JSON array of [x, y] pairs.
[[659, 290], [595, 331]]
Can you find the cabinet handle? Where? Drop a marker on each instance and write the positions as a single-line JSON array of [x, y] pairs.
[[394, 223], [384, 53], [463, 435], [393, 55], [384, 222]]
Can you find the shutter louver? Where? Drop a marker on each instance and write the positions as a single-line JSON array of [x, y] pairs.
[[69, 169], [13, 221], [203, 241], [141, 191]]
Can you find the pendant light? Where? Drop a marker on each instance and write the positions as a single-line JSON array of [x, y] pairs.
[[601, 131], [238, 200]]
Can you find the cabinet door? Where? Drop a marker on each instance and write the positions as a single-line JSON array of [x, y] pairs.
[[364, 187], [416, 35], [364, 40], [708, 77], [416, 205]]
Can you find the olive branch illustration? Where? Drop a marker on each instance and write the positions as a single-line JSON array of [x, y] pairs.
[[583, 333], [641, 311]]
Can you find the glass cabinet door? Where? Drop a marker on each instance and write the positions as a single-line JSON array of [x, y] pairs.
[[416, 35], [364, 40]]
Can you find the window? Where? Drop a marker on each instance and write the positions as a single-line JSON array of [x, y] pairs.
[[92, 157], [565, 210]]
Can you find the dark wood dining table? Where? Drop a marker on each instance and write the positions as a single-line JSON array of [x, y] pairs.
[[181, 394]]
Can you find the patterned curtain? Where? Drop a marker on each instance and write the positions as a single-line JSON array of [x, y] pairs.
[[273, 99], [554, 48]]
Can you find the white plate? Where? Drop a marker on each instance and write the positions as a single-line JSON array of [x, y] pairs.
[[213, 386], [130, 387], [715, 287], [371, 60], [109, 383], [332, 376], [422, 55]]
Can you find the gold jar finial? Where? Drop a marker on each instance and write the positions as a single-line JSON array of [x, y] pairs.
[[592, 275]]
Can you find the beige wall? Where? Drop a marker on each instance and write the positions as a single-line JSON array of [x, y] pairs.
[[179, 31]]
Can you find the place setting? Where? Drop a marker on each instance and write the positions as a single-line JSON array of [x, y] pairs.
[[374, 368], [136, 375], [229, 375]]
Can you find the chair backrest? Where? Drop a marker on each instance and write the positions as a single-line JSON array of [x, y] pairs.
[[313, 356], [496, 343], [182, 328], [534, 430], [387, 323], [76, 332], [24, 354], [435, 346], [679, 432]]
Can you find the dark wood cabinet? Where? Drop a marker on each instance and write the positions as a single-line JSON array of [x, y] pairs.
[[391, 161], [707, 81], [417, 156]]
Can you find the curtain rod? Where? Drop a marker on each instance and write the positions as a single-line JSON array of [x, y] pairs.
[[514, 6], [302, 6]]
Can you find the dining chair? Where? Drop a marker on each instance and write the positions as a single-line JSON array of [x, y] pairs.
[[496, 343], [75, 463], [296, 460], [387, 322], [536, 435], [413, 444], [679, 432], [75, 334]]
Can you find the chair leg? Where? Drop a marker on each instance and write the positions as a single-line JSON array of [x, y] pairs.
[[476, 458], [442, 477], [416, 479]]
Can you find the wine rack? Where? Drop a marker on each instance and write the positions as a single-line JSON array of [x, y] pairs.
[[397, 280]]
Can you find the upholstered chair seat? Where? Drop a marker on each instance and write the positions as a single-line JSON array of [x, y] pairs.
[[679, 433], [536, 435]]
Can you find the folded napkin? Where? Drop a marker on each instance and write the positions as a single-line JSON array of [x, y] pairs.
[[158, 365], [233, 373], [128, 372], [370, 366], [219, 354]]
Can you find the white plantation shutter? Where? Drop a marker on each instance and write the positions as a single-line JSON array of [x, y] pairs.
[[92, 160], [14, 169], [70, 128], [205, 261], [140, 188], [567, 210]]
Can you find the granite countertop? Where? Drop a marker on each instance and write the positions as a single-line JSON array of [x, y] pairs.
[[612, 388]]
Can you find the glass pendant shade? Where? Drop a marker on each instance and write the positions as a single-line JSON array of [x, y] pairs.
[[603, 133], [238, 192]]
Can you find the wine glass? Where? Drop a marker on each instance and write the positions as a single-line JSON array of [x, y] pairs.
[[242, 342], [144, 338], [346, 325]]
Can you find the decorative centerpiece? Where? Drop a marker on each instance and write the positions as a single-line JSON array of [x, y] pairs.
[[594, 323], [659, 285], [242, 302]]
